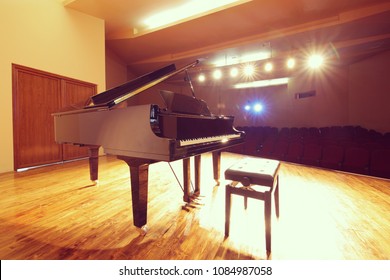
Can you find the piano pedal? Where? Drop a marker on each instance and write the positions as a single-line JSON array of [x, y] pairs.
[[193, 204], [196, 203], [185, 207]]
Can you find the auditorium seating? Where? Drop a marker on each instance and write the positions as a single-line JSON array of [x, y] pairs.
[[312, 154], [356, 160], [380, 163], [347, 148], [332, 156], [294, 151]]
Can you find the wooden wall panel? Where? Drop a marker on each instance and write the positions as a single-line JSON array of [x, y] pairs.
[[35, 98], [36, 95]]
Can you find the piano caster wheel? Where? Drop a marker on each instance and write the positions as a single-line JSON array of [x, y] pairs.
[[143, 230], [95, 182]]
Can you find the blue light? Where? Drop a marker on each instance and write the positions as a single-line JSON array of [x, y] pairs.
[[254, 107], [258, 107]]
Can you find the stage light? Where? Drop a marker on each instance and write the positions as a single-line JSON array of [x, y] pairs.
[[268, 67], [247, 107], [315, 61], [234, 72], [258, 107], [249, 70], [290, 63], [201, 78], [217, 74]]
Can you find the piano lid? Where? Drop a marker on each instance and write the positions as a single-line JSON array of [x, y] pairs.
[[116, 95]]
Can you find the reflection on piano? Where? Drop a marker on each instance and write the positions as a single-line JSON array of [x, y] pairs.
[[144, 134]]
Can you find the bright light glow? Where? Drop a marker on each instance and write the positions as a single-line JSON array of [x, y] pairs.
[[258, 107], [250, 57], [234, 72], [201, 78], [290, 63], [217, 74], [255, 107], [262, 83], [224, 140], [187, 10], [268, 67], [315, 61], [249, 70], [245, 58]]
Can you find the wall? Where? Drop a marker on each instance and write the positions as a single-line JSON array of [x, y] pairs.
[[358, 94], [369, 87], [280, 107], [42, 34], [116, 70]]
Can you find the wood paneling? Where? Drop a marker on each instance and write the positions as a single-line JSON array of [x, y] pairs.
[[35, 98], [36, 95]]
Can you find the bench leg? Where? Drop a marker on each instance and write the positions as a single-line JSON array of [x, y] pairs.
[[267, 218], [276, 197], [227, 209]]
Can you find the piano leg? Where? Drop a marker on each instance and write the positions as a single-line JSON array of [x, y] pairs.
[[217, 166], [93, 154], [187, 180], [139, 172], [197, 160]]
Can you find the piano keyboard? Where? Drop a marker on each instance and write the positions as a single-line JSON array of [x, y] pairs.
[[222, 138]]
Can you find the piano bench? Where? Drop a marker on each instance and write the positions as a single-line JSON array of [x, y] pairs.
[[256, 178]]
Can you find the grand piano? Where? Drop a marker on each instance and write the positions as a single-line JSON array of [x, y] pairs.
[[143, 134]]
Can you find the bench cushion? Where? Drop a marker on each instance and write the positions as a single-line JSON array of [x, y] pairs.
[[253, 171]]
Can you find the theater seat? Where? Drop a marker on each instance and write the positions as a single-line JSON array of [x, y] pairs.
[[312, 153], [380, 163], [294, 152], [332, 156], [356, 160], [280, 150], [266, 148]]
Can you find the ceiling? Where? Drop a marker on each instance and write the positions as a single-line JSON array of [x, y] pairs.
[[350, 29]]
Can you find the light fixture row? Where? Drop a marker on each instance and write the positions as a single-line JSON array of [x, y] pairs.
[[249, 69]]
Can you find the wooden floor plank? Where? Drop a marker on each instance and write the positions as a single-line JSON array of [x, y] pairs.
[[54, 212]]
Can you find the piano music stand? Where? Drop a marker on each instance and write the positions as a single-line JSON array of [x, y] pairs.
[[256, 178]]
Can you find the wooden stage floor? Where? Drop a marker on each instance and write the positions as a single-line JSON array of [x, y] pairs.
[[54, 212]]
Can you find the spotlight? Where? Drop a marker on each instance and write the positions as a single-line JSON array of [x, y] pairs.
[[233, 72], [290, 63], [268, 67], [315, 61], [217, 74], [249, 70], [247, 107], [258, 107], [201, 78]]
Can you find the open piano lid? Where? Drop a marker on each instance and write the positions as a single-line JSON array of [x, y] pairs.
[[114, 96]]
